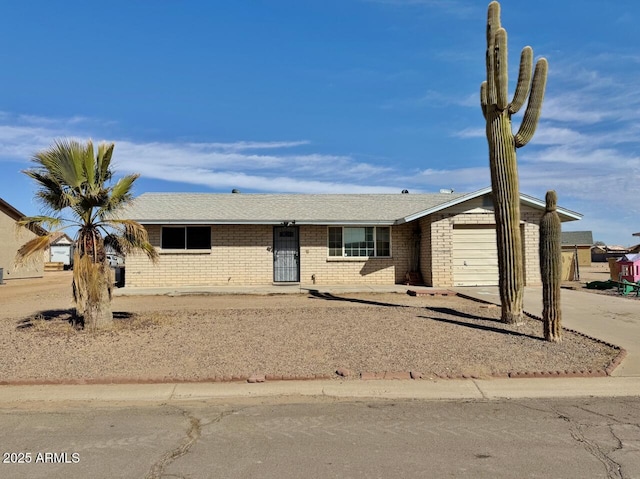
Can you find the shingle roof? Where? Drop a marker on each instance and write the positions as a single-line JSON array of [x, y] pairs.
[[577, 238], [241, 208], [276, 208]]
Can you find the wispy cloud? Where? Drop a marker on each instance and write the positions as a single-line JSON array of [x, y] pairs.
[[252, 165]]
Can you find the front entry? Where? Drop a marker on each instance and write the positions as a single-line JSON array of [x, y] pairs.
[[286, 254]]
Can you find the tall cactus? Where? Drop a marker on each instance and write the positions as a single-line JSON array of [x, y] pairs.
[[502, 153], [551, 269]]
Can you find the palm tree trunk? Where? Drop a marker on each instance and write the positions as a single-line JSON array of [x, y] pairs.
[[92, 293], [98, 314]]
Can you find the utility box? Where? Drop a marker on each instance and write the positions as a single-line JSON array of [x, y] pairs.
[[630, 267]]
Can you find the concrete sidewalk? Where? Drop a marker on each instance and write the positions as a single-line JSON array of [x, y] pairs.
[[612, 319], [478, 389]]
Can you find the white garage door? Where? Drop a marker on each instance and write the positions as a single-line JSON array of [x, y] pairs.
[[475, 256]]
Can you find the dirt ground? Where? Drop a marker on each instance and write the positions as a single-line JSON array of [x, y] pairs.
[[207, 337]]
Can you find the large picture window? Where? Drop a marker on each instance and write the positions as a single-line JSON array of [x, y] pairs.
[[367, 241], [186, 237]]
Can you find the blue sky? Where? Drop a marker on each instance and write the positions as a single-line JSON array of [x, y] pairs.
[[323, 96]]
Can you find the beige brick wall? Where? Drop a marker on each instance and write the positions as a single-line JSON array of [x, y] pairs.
[[241, 255], [531, 240], [11, 239], [316, 263]]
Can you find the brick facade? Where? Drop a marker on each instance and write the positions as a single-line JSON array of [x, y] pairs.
[[242, 254]]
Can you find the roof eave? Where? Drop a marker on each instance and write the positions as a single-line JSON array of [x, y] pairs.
[[448, 204], [565, 214], [269, 222], [568, 215]]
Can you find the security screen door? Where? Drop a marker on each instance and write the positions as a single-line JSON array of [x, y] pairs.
[[286, 254]]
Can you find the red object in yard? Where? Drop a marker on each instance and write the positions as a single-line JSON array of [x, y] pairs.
[[630, 267]]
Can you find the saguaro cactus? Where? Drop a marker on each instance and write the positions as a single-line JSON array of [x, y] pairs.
[[502, 153], [551, 268]]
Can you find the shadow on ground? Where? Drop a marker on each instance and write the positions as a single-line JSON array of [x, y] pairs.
[[482, 327], [330, 297], [64, 316]]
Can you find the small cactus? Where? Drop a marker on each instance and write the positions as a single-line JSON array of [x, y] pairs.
[[497, 112], [551, 268]]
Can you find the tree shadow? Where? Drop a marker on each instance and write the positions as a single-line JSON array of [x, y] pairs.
[[68, 315], [330, 297], [64, 315], [455, 312], [480, 326]]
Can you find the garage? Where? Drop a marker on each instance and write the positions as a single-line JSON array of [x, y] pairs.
[[475, 256]]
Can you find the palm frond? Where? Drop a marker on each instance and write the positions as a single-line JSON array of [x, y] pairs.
[[44, 222], [64, 162], [89, 164], [50, 192], [103, 162], [32, 248], [120, 196], [131, 237]]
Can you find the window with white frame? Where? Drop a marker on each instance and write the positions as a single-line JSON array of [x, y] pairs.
[[186, 237], [359, 241]]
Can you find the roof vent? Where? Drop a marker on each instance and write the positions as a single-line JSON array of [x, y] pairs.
[[235, 190], [446, 191], [405, 192]]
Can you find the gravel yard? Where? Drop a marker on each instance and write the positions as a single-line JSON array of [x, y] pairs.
[[193, 338]]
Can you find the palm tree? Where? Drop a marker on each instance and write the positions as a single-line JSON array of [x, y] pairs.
[[75, 188]]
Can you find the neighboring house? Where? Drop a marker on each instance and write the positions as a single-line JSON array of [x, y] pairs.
[[60, 250], [580, 241], [12, 237], [259, 239], [602, 253]]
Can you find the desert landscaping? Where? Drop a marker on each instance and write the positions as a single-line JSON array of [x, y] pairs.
[[234, 337]]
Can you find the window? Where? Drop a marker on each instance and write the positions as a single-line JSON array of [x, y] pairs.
[[368, 241], [186, 237]]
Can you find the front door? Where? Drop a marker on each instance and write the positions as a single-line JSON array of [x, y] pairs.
[[286, 254]]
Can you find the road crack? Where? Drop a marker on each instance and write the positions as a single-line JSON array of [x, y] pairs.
[[193, 434], [613, 468]]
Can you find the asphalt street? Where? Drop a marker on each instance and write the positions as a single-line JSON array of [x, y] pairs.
[[326, 438]]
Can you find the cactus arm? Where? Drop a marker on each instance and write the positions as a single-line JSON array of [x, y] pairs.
[[483, 98], [534, 107], [501, 70], [493, 24], [524, 80]]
